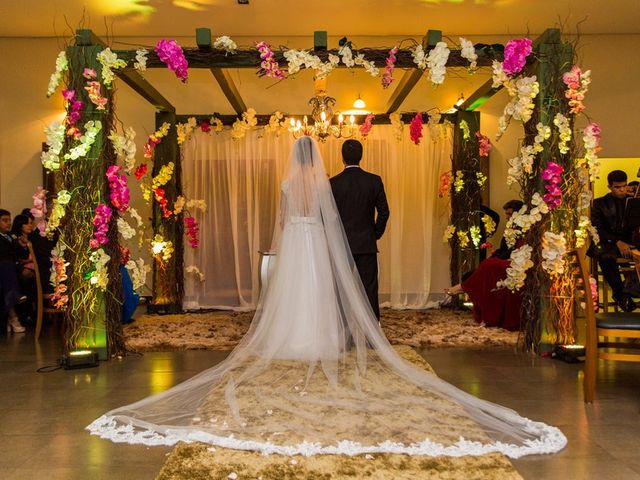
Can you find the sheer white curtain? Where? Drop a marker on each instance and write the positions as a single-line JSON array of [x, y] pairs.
[[240, 181]]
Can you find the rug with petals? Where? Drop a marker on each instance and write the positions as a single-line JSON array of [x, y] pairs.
[[199, 461], [221, 330]]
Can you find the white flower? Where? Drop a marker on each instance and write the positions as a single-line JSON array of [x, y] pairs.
[[397, 125], [62, 64], [369, 67], [584, 230], [55, 140], [184, 130], [297, 58], [517, 269], [179, 205], [125, 229], [437, 61], [448, 233], [489, 225], [100, 275], [419, 57], [436, 129], [109, 61], [92, 128], [141, 59], [195, 271], [134, 214], [564, 131], [197, 205], [554, 250], [225, 43], [522, 92], [138, 271], [468, 51], [463, 239], [217, 124], [125, 148], [240, 127], [498, 76], [347, 55], [276, 124]]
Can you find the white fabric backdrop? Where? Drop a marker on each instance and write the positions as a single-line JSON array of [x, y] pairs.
[[240, 182]]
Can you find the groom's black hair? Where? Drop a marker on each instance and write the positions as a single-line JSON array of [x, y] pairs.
[[352, 152]]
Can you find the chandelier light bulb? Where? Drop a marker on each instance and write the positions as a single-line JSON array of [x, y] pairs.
[[359, 103]]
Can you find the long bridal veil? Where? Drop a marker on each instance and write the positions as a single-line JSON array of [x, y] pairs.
[[315, 374]]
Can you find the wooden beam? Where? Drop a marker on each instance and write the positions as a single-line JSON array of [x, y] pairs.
[[203, 39], [203, 58], [86, 37], [486, 90], [411, 77], [229, 89], [263, 119]]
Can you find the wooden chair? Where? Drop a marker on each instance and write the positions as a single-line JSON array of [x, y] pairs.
[[42, 299], [627, 267], [619, 330]]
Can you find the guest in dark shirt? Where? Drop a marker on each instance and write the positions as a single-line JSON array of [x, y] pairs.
[[607, 216], [10, 256]]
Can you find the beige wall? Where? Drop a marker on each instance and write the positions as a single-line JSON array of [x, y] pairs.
[[24, 110]]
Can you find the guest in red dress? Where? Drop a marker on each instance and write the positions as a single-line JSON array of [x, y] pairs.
[[491, 306]]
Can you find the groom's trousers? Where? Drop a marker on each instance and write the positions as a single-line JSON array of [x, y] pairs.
[[367, 265]]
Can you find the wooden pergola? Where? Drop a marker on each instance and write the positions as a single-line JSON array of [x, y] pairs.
[[168, 281]]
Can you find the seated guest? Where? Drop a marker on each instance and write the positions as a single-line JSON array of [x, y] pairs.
[[10, 254], [21, 230], [491, 306], [607, 216]]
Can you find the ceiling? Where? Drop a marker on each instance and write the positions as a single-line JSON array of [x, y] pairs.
[[293, 23], [297, 17]]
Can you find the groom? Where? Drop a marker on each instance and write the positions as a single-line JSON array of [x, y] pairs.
[[359, 195]]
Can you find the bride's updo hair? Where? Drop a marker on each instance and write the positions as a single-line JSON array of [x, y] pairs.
[[304, 150]]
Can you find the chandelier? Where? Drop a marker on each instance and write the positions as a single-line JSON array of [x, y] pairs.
[[322, 115]]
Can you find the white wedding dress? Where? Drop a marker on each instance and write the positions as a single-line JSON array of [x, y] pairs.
[[315, 374]]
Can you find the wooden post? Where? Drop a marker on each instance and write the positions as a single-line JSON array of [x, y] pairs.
[[93, 314], [168, 276], [465, 205], [538, 312]]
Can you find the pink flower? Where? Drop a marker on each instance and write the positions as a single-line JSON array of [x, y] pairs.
[[192, 231], [594, 130], [484, 144], [486, 246], [365, 128], [39, 209], [89, 73], [415, 128], [515, 55], [119, 191], [387, 78], [101, 218], [93, 88], [68, 95], [205, 127], [269, 64], [173, 57], [552, 177]]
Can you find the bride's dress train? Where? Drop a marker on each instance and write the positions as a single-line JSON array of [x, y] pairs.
[[315, 374]]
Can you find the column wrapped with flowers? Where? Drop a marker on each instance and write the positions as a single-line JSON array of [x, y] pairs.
[[554, 173], [87, 281]]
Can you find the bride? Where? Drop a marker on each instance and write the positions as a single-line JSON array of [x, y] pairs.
[[315, 374]]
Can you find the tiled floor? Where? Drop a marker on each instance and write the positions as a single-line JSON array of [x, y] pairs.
[[42, 415]]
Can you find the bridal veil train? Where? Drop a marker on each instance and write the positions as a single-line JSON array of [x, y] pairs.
[[315, 374]]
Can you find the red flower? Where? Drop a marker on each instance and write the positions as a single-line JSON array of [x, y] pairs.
[[141, 171]]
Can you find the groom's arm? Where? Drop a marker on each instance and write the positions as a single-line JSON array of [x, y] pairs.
[[382, 210]]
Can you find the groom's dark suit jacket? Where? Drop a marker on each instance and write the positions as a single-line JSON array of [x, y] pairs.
[[359, 195]]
